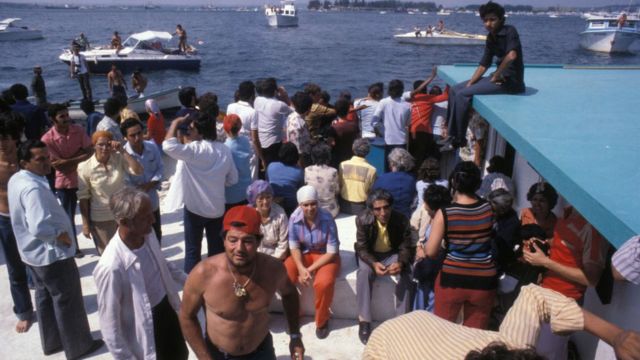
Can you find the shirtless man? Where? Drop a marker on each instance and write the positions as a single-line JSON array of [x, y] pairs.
[[10, 132], [116, 41], [138, 82], [117, 85], [236, 288], [182, 36]]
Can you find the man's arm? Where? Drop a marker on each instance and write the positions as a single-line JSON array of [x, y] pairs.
[[433, 246], [257, 146], [38, 218], [586, 276], [508, 59], [424, 84], [291, 305], [480, 70], [110, 83], [626, 343], [192, 302]]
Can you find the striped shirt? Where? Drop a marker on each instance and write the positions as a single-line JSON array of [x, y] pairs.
[[469, 263], [627, 260], [396, 339]]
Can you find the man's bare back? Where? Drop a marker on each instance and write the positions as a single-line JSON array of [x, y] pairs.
[[115, 77], [7, 169], [237, 325]]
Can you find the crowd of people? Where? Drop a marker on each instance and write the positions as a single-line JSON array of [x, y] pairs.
[[263, 184]]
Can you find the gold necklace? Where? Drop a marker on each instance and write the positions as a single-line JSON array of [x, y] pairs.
[[240, 290]]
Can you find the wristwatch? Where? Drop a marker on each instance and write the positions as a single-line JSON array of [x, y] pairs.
[[295, 336]]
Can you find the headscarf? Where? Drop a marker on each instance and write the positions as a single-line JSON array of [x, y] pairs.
[[307, 193], [256, 189], [152, 105]]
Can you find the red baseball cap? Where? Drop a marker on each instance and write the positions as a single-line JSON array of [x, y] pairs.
[[243, 218]]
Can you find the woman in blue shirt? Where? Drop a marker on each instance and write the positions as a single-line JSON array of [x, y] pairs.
[[285, 177]]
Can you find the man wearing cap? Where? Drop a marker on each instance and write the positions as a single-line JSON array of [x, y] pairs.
[[314, 244], [236, 288], [137, 288]]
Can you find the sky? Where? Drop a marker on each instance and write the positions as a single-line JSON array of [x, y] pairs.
[[445, 3]]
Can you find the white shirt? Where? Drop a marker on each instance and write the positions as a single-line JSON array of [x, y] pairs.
[[80, 61], [247, 115], [110, 125], [366, 116], [208, 168], [126, 318], [395, 115], [272, 114]]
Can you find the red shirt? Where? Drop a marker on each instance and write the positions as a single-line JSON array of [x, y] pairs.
[[421, 109], [575, 244], [66, 146], [155, 129]]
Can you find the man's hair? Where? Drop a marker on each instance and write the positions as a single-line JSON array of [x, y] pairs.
[[500, 351], [186, 95], [326, 97], [376, 89], [436, 197], [377, 195], [465, 178], [545, 189], [501, 200], [112, 107], [24, 151], [427, 164], [288, 154], [435, 90], [313, 89], [208, 104], [361, 147], [416, 85], [87, 106], [342, 107], [260, 87], [497, 164], [396, 87], [401, 160], [302, 102], [321, 154], [246, 91], [269, 87], [491, 8], [126, 202], [19, 91], [206, 125], [129, 123], [54, 109], [12, 125]]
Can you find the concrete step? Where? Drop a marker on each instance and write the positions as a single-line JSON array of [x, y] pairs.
[[344, 301]]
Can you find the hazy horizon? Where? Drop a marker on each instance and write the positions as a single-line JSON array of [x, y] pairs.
[[451, 3]]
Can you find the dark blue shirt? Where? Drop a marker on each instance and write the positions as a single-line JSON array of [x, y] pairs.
[[499, 45], [92, 122], [402, 187], [36, 122], [285, 181]]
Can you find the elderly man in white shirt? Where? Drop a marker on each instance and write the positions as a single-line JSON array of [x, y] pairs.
[[395, 114], [43, 234], [272, 106], [208, 168], [137, 288], [249, 118]]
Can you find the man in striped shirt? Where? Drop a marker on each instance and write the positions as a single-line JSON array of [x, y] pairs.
[[422, 335]]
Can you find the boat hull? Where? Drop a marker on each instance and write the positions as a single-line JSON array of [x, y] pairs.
[[101, 64], [20, 35], [609, 41], [441, 39], [282, 20], [167, 100]]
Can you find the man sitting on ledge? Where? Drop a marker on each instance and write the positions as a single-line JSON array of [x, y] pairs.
[[503, 42], [383, 246]]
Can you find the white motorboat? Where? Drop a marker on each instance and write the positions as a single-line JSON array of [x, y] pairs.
[[282, 16], [149, 50], [10, 32], [443, 12], [609, 34], [167, 100], [446, 37]]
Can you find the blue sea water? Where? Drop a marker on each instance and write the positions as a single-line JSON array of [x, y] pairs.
[[337, 50]]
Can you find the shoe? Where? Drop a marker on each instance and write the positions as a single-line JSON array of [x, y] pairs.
[[364, 331], [97, 344], [53, 351], [444, 141], [323, 332], [447, 147], [79, 254]]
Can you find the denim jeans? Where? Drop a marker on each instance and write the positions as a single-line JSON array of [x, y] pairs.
[[69, 201], [194, 225], [22, 305]]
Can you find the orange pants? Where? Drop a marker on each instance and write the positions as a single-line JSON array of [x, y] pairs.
[[324, 281], [476, 305]]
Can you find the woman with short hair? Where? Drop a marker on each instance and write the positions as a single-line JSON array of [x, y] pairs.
[[274, 225], [543, 198]]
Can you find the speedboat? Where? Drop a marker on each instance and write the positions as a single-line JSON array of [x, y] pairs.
[[149, 50], [605, 34], [10, 32], [446, 37], [167, 100], [282, 16]]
